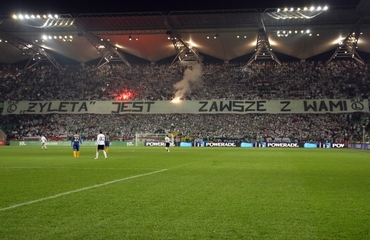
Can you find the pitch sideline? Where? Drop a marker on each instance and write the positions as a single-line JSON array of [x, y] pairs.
[[79, 190]]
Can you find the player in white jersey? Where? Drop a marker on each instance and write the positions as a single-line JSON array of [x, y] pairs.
[[100, 141], [43, 143], [167, 140]]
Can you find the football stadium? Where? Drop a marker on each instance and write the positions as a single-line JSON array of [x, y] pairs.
[[212, 124]]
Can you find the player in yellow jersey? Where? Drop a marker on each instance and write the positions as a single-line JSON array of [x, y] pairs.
[[76, 141]]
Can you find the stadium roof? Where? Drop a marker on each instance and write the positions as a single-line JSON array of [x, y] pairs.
[[222, 34]]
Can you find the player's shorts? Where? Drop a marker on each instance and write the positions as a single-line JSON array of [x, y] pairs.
[[106, 143], [100, 147], [167, 144], [76, 147]]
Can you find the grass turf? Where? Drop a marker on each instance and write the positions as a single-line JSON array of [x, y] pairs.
[[189, 193]]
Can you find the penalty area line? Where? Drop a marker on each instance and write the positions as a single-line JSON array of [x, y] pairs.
[[80, 190]]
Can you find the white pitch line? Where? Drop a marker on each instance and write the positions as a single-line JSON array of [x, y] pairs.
[[79, 190], [76, 168]]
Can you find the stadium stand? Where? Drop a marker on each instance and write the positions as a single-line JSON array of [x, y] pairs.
[[290, 80], [241, 35]]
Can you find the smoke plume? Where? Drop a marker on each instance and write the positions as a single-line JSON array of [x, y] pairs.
[[191, 74]]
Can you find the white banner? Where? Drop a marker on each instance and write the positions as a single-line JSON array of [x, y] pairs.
[[188, 106]]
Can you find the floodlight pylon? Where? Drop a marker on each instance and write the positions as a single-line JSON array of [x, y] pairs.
[[185, 52], [347, 48], [108, 52], [263, 49], [37, 54]]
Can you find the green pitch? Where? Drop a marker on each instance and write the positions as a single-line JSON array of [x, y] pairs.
[[189, 193]]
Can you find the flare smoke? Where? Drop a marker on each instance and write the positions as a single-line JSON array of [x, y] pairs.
[[192, 74]]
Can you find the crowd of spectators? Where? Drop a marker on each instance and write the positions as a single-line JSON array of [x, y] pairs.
[[291, 80], [327, 127]]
